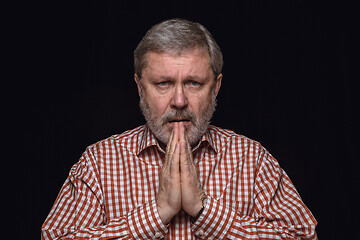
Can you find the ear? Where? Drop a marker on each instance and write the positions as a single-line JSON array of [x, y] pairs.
[[137, 80], [218, 84]]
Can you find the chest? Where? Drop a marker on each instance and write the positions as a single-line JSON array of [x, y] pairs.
[[128, 180]]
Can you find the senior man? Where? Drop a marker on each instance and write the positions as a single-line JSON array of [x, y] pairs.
[[178, 177]]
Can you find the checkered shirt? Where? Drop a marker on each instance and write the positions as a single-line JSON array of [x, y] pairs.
[[110, 193]]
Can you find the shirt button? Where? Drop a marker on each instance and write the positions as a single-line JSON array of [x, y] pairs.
[[201, 232], [158, 234]]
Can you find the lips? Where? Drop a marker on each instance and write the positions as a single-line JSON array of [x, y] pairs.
[[179, 120], [184, 116]]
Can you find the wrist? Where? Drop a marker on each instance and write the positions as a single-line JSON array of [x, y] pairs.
[[195, 217], [165, 213]]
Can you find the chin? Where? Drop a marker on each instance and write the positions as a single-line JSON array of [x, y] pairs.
[[193, 133]]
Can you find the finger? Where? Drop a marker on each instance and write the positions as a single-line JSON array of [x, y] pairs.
[[187, 167], [184, 157], [188, 148], [172, 146], [170, 141], [187, 164], [185, 150], [181, 132], [175, 137], [174, 164], [173, 140]]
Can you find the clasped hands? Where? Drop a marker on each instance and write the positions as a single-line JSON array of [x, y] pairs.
[[179, 185]]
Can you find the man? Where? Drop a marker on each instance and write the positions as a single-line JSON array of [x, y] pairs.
[[178, 177]]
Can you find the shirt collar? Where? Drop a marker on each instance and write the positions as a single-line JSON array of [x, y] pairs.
[[149, 140], [211, 137]]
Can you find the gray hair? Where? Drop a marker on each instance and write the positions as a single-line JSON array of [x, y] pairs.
[[175, 36]]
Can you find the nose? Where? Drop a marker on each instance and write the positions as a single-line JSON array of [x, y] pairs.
[[179, 99]]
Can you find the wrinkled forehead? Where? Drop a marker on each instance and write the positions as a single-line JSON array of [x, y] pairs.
[[193, 63], [177, 53]]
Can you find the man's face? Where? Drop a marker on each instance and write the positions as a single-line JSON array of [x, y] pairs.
[[178, 88]]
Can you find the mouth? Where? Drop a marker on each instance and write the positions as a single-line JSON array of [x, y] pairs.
[[185, 121]]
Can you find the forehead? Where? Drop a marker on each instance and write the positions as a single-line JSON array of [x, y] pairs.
[[191, 62]]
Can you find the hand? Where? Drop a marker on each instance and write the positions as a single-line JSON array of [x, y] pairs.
[[179, 185], [168, 199], [191, 189]]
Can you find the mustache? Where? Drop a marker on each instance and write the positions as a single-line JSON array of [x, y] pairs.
[[176, 114]]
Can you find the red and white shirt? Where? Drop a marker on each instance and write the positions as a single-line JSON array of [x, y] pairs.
[[110, 193]]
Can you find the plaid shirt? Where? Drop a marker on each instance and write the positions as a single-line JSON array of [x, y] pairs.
[[110, 193]]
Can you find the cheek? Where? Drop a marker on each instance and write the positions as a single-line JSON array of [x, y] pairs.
[[158, 104], [198, 103]]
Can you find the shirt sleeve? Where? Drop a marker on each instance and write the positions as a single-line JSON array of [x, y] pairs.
[[79, 211], [277, 211]]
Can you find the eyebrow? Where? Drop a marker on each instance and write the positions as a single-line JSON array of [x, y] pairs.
[[188, 77]]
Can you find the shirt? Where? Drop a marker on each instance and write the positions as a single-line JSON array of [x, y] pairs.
[[110, 193]]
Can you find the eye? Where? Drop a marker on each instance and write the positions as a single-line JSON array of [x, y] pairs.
[[162, 84], [194, 84]]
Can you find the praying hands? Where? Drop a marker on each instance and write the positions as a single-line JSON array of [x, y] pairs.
[[179, 186]]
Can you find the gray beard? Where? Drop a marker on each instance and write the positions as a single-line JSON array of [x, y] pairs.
[[193, 133]]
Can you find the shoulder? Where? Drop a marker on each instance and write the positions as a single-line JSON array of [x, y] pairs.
[[110, 148], [119, 139], [228, 142], [225, 138], [104, 151]]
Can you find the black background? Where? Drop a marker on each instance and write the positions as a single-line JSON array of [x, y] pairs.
[[286, 84]]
